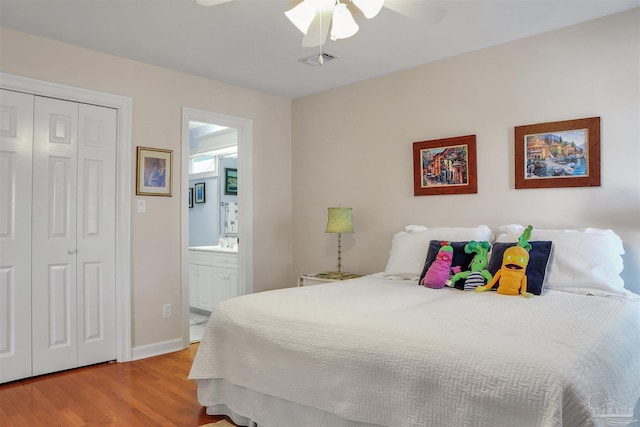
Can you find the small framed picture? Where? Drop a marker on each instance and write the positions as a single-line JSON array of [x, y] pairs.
[[153, 172], [190, 198], [231, 181], [558, 154], [445, 166], [199, 196]]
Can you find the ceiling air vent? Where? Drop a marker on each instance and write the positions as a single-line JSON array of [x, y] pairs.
[[321, 59]]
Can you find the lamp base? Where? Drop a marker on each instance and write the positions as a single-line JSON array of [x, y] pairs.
[[337, 275]]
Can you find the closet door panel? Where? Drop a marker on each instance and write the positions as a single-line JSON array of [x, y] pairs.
[[16, 142], [54, 236], [96, 234], [59, 197], [60, 302]]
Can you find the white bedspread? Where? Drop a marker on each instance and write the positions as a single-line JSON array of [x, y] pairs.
[[392, 353]]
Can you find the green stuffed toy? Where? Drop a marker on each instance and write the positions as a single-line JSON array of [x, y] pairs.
[[478, 275], [512, 275]]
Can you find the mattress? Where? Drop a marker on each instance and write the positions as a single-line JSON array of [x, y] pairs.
[[379, 352]]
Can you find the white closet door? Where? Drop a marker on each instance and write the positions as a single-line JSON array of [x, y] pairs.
[[54, 236], [16, 142], [96, 234]]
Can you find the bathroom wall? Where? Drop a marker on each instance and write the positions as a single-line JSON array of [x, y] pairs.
[[203, 217], [207, 219]]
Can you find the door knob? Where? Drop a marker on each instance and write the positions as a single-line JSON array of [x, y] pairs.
[[72, 251]]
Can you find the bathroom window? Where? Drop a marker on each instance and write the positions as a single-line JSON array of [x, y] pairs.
[[201, 163], [204, 164]]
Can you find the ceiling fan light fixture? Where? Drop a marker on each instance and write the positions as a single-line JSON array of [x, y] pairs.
[[302, 15], [369, 8], [344, 26]]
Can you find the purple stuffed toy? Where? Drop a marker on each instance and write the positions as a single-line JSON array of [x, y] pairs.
[[440, 270]]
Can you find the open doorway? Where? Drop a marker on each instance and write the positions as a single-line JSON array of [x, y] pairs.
[[216, 217], [213, 221]]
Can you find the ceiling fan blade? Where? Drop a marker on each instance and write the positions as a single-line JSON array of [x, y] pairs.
[[318, 30], [423, 11], [211, 2]]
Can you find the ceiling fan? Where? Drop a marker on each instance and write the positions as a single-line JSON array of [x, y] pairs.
[[314, 18]]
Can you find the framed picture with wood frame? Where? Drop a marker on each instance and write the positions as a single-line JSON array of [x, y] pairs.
[[153, 172], [558, 154], [445, 166]]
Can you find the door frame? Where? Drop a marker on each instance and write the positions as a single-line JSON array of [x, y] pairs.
[[123, 105], [245, 202]]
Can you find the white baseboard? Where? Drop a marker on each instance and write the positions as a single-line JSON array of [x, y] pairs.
[[156, 349]]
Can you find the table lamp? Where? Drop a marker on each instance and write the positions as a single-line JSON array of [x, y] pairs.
[[339, 222]]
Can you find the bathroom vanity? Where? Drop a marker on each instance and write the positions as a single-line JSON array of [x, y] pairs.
[[213, 275]]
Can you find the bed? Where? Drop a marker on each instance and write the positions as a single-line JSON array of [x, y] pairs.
[[382, 351]]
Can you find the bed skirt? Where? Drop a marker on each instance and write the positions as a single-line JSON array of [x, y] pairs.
[[267, 410]]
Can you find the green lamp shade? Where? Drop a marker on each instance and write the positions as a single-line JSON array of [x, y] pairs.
[[339, 221]]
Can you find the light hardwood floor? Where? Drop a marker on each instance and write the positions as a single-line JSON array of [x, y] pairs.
[[148, 392]]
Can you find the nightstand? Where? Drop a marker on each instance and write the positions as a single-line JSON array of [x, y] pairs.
[[327, 277]]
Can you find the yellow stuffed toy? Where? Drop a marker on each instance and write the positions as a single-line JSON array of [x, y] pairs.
[[512, 275]]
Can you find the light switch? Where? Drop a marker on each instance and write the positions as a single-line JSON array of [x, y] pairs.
[[142, 206]]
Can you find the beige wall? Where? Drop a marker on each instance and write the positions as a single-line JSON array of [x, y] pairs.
[[158, 97], [353, 146]]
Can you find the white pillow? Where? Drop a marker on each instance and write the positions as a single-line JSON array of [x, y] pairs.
[[415, 228], [585, 261], [409, 250]]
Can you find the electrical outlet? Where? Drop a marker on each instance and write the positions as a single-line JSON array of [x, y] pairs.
[[166, 311]]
